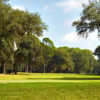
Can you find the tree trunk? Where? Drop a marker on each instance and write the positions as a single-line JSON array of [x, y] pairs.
[[44, 68], [29, 67], [15, 69], [26, 70], [4, 68]]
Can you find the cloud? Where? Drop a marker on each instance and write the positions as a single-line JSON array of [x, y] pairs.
[[73, 40], [69, 5], [71, 37], [19, 7]]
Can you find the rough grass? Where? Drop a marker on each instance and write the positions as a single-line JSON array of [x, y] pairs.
[[25, 86]]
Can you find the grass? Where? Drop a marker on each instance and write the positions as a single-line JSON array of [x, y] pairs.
[[26, 86], [50, 91], [48, 76]]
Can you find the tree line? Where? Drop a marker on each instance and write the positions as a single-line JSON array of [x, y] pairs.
[[21, 50]]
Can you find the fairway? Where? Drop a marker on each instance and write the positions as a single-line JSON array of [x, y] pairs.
[[25, 86], [50, 91], [41, 54], [46, 77]]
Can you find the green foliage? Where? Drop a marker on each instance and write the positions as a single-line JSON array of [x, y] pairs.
[[83, 60], [97, 52], [48, 42], [61, 61], [18, 24], [21, 49], [28, 51], [89, 20], [3, 1]]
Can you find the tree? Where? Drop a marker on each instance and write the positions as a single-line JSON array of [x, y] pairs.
[[28, 51], [61, 61], [83, 60], [89, 20], [3, 1], [96, 69], [48, 49], [6, 53], [97, 52], [18, 23], [97, 64], [48, 42]]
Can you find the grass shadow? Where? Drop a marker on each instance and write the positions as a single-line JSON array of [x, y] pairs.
[[65, 78]]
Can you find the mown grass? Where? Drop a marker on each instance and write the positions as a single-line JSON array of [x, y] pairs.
[[48, 76], [25, 86], [50, 91]]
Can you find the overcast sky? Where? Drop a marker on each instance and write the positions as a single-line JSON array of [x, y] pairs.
[[59, 15]]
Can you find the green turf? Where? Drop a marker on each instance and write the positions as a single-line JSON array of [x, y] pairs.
[[25, 86], [50, 76], [50, 91]]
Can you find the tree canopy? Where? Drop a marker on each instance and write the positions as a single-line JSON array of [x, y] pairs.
[[21, 50], [89, 20]]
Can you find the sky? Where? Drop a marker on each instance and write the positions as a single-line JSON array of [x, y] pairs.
[[59, 15]]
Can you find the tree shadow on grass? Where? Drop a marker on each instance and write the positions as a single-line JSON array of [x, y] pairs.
[[65, 78]]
